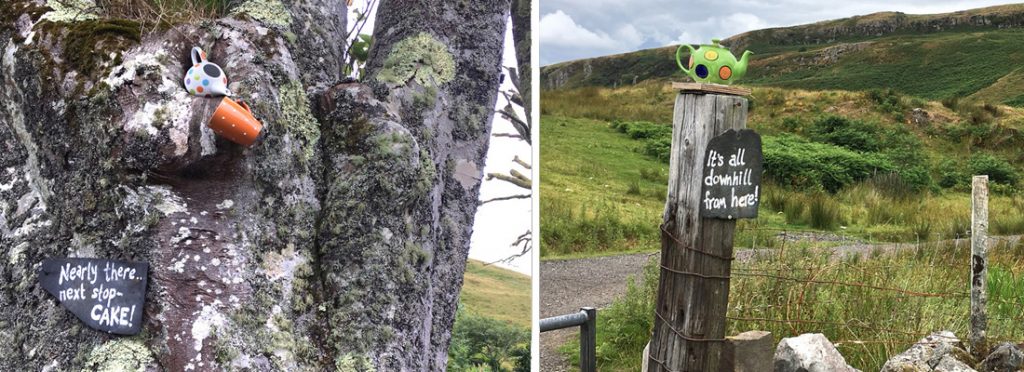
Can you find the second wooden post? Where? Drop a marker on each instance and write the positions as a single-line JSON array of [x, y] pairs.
[[696, 252]]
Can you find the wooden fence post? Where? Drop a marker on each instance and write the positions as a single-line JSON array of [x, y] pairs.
[[979, 263], [693, 288]]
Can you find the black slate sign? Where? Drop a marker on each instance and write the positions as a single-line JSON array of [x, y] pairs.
[[731, 186], [106, 295]]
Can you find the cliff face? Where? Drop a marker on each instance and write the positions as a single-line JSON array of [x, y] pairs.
[[337, 242], [877, 25]]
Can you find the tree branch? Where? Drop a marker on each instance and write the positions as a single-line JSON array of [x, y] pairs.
[[521, 196], [516, 178]]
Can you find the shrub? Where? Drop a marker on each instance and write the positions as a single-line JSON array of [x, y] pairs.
[[481, 341], [998, 170], [795, 162], [852, 134], [658, 148], [643, 130]]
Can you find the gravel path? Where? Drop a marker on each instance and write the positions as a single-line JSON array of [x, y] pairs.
[[567, 285]]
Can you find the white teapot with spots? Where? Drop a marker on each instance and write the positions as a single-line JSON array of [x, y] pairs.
[[205, 79]]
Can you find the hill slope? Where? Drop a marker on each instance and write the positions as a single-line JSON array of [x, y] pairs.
[[497, 293], [970, 54]]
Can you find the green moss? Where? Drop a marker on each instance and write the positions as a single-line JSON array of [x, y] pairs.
[[353, 363], [425, 100], [124, 354], [428, 171], [85, 38], [271, 12], [421, 58], [298, 118], [10, 13]]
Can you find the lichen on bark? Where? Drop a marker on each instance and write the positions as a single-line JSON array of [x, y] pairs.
[[126, 354], [271, 12], [421, 58]]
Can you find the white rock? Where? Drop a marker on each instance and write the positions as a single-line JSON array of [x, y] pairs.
[[809, 352], [939, 351]]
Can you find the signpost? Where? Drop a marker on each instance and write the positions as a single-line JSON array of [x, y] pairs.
[[714, 178], [106, 295]]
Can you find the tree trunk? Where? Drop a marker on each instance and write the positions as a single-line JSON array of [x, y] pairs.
[[339, 241]]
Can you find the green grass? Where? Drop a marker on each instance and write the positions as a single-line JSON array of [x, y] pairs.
[[603, 195], [868, 325], [498, 293], [588, 171]]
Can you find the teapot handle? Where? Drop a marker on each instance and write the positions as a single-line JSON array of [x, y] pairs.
[[198, 55], [678, 56]]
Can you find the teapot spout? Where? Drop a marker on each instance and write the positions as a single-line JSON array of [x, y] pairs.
[[741, 65]]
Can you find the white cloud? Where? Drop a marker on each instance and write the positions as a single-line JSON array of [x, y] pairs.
[[559, 30]]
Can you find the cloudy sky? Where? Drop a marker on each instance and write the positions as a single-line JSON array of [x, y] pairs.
[[574, 29]]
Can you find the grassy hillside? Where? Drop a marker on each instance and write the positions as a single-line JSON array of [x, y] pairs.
[[497, 293], [972, 54], [603, 185]]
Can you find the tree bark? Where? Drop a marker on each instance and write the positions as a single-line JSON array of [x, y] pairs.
[[338, 242], [521, 35]]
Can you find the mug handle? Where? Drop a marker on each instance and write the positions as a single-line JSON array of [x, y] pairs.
[[198, 55], [245, 106]]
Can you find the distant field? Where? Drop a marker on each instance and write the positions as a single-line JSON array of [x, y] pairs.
[[497, 293]]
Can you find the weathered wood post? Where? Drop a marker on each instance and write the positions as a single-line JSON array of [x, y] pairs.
[[696, 251], [979, 263]]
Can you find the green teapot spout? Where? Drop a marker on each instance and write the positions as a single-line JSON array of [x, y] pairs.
[[741, 66], [679, 56]]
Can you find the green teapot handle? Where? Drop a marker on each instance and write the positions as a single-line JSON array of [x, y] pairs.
[[678, 56]]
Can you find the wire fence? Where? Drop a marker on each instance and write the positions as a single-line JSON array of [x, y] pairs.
[[866, 294]]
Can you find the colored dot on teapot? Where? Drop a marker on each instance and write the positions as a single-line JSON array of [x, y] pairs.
[[711, 55], [725, 73], [702, 71]]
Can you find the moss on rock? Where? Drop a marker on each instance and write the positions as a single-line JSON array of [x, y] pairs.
[[421, 58]]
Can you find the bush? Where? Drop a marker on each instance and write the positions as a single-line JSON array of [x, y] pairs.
[[998, 170], [479, 341], [796, 162], [658, 148], [643, 130], [852, 134]]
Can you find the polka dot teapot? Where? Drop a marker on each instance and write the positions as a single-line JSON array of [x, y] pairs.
[[205, 79], [713, 63]]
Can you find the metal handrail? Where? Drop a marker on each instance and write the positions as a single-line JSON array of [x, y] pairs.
[[586, 319]]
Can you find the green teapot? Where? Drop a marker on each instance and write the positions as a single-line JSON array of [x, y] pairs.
[[713, 63]]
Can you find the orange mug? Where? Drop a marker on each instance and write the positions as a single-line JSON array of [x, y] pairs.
[[235, 122]]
